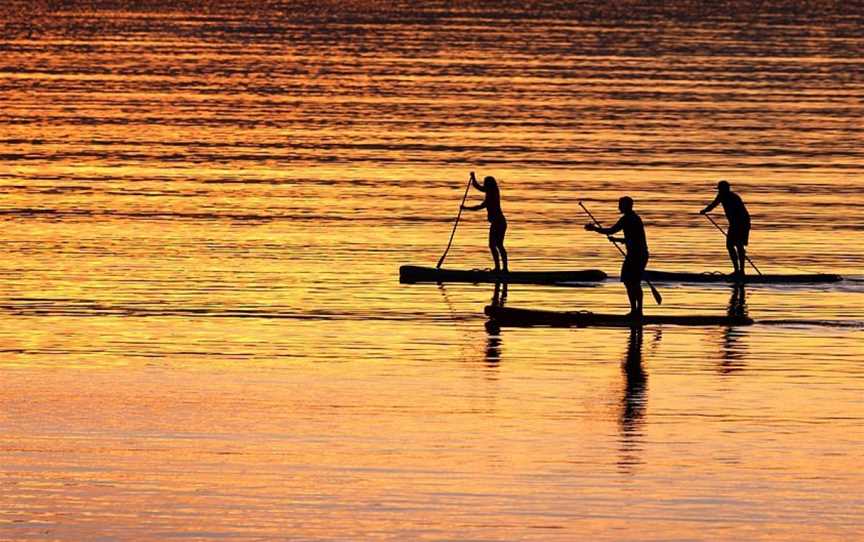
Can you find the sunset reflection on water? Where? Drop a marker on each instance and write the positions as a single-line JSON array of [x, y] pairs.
[[203, 334]]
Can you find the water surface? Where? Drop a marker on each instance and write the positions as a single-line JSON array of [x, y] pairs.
[[204, 211]]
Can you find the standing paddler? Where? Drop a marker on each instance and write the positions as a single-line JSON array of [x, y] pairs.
[[636, 258], [738, 235], [497, 222]]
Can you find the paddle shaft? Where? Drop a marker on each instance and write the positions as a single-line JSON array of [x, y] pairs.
[[452, 233], [716, 225], [611, 240], [657, 297]]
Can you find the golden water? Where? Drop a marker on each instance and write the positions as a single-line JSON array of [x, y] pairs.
[[202, 334]]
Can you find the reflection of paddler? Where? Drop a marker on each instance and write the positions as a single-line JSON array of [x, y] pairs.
[[493, 345], [499, 295], [497, 222], [634, 398], [634, 401], [733, 352], [738, 302], [493, 342], [738, 235], [636, 259]]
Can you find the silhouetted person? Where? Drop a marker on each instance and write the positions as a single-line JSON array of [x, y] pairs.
[[497, 222], [637, 251], [738, 235]]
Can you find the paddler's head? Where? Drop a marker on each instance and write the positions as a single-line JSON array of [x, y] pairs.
[[490, 182], [625, 204], [723, 187]]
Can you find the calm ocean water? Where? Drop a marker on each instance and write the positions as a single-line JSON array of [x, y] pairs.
[[204, 208]]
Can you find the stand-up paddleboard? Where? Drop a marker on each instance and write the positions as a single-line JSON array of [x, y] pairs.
[[412, 274], [513, 317], [672, 276]]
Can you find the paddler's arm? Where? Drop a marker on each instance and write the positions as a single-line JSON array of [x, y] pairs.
[[475, 184], [475, 207], [711, 206], [606, 231]]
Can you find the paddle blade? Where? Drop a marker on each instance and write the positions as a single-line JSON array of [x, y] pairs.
[[657, 297]]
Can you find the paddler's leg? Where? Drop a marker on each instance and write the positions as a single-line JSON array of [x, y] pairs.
[[742, 240], [493, 247], [495, 258], [501, 249], [634, 294], [733, 253], [496, 243], [637, 280], [632, 280]]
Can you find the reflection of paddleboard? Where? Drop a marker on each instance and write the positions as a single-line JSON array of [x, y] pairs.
[[513, 317]]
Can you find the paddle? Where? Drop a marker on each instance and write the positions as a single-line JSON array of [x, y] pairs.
[[458, 215], [657, 297], [716, 225]]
